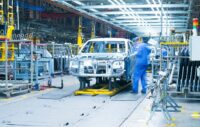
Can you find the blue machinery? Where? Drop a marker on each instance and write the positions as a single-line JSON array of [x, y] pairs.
[[185, 71], [42, 64], [31, 67], [181, 78], [9, 84], [61, 54], [162, 101]]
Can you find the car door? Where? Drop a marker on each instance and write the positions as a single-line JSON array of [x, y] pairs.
[[68, 57], [129, 61]]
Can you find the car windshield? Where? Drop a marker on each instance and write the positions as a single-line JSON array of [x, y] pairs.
[[104, 47]]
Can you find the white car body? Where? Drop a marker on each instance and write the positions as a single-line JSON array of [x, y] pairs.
[[102, 64]]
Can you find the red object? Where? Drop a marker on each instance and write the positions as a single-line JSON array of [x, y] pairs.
[[195, 22], [4, 39], [121, 34], [55, 15], [195, 19], [43, 87]]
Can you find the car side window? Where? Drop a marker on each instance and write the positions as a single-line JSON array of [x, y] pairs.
[[129, 47], [132, 43]]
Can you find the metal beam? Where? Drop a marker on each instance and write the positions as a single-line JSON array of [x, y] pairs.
[[93, 1], [144, 14], [149, 21], [90, 15], [143, 27], [151, 17], [158, 29], [154, 25], [138, 12], [134, 6]]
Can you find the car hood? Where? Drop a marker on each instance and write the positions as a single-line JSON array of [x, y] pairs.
[[101, 56]]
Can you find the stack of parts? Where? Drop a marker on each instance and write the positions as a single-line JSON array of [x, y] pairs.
[[187, 78]]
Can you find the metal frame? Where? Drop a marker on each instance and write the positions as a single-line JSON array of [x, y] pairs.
[[184, 92], [108, 77], [17, 86], [38, 63], [134, 6], [60, 51], [162, 101], [106, 62], [110, 11]]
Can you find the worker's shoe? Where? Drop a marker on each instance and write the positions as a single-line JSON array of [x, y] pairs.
[[143, 92], [134, 92]]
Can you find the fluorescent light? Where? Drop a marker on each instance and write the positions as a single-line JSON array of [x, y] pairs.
[[78, 2], [152, 8], [158, 11], [82, 4], [122, 9], [140, 19], [93, 10]]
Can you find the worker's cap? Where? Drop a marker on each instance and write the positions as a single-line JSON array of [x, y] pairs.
[[136, 39], [146, 39]]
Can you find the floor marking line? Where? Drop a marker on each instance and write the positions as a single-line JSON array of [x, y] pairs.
[[21, 98], [133, 110]]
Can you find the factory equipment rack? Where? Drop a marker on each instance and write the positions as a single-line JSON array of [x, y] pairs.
[[9, 85], [185, 82], [163, 102], [168, 71], [74, 48], [155, 66], [61, 54], [42, 64]]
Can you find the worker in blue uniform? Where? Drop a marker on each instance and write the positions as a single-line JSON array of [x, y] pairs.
[[141, 52]]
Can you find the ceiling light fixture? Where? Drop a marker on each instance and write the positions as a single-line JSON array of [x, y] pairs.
[[123, 9], [78, 2], [141, 21]]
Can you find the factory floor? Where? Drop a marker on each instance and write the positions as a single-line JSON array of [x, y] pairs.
[[45, 109]]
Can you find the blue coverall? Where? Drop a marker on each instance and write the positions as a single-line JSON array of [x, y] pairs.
[[141, 64]]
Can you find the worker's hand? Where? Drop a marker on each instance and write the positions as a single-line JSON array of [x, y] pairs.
[[133, 54]]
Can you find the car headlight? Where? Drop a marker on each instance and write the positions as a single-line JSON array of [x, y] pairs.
[[81, 66], [88, 63], [74, 64], [118, 65]]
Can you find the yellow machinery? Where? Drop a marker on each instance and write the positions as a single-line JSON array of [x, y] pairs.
[[174, 43], [6, 29], [79, 38], [1, 12], [103, 90], [93, 34], [93, 30]]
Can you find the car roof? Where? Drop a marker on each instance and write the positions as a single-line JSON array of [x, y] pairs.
[[109, 39]]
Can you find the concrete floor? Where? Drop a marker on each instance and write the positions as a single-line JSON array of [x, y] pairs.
[[87, 111]]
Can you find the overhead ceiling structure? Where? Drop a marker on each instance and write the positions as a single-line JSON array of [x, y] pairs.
[[142, 17]]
